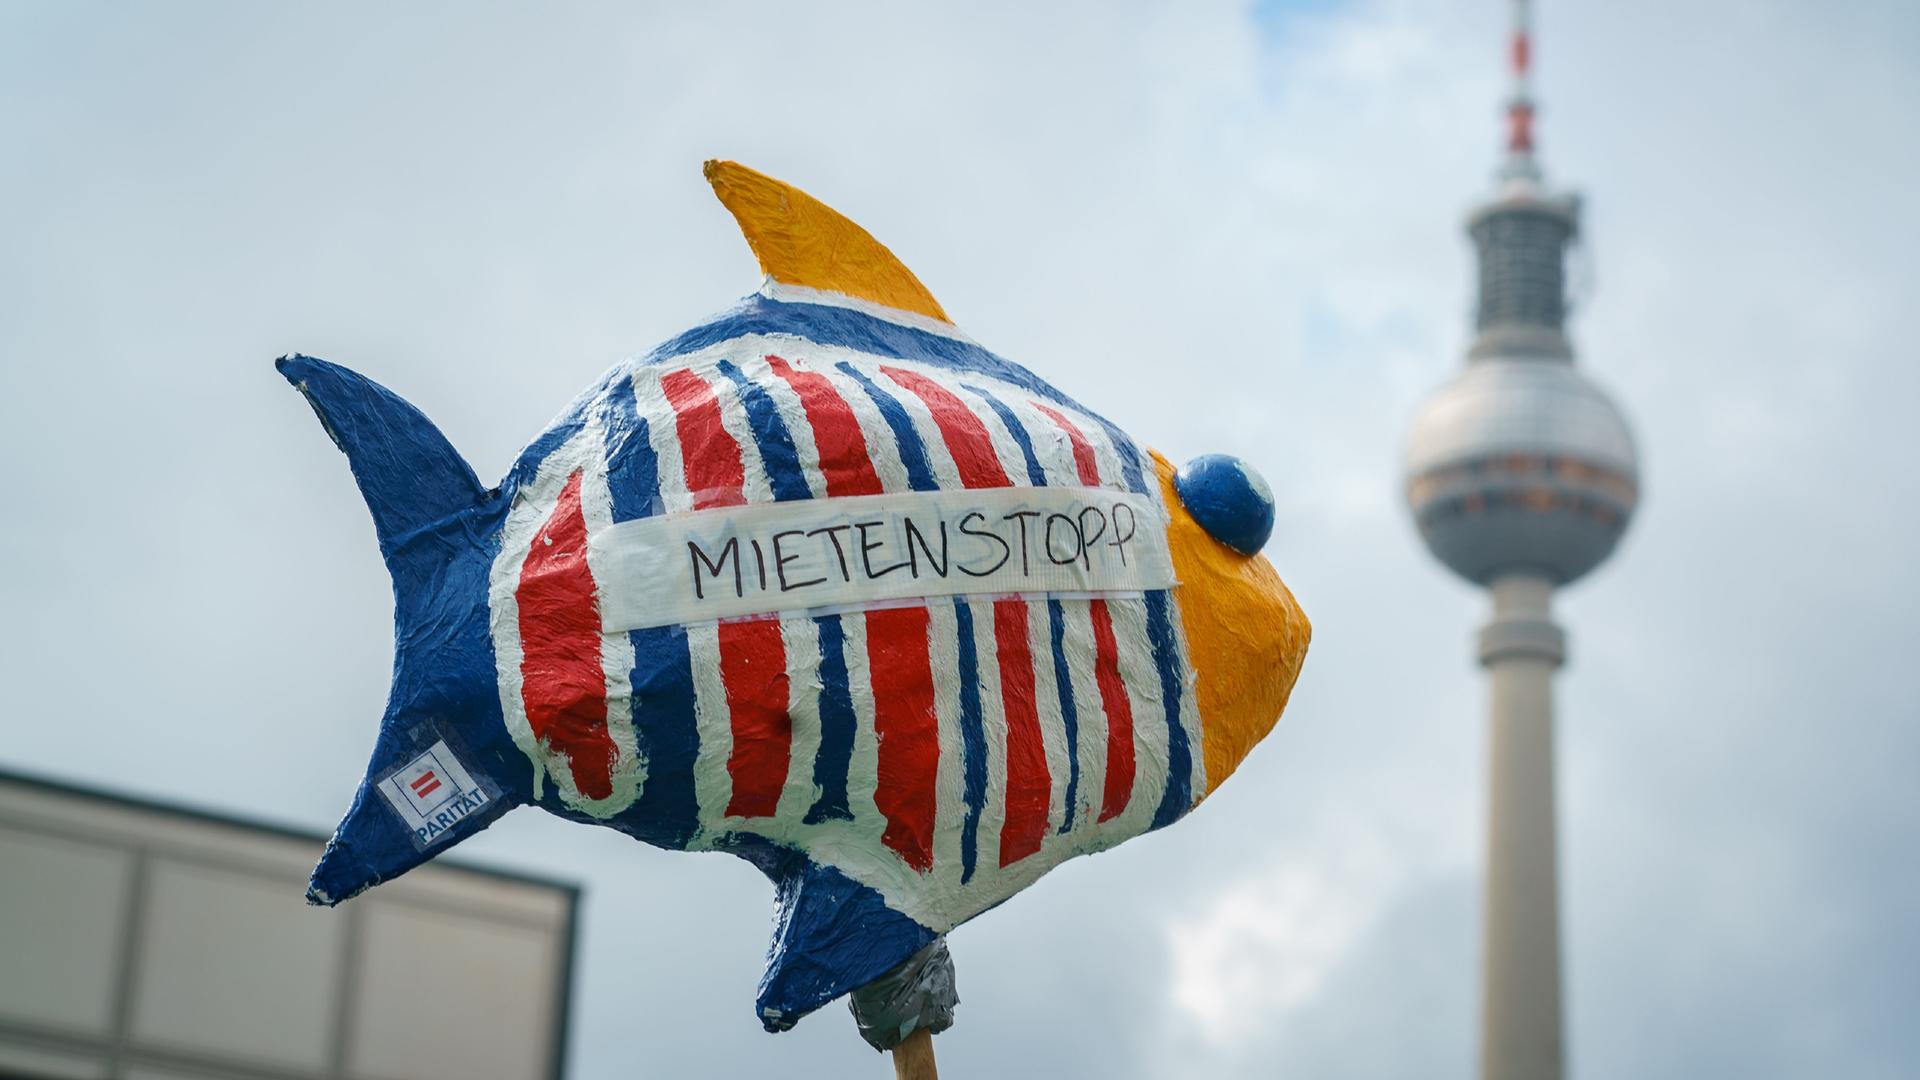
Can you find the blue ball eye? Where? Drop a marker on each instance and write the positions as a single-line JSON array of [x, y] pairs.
[[1228, 499]]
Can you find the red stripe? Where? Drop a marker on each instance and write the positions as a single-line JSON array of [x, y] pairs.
[[844, 459], [1029, 786], [906, 727], [1113, 688], [562, 684], [708, 453], [431, 786], [1083, 459], [1113, 695], [966, 437], [1519, 127], [753, 658], [753, 662], [905, 723]]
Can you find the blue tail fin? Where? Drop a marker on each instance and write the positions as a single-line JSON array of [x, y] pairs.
[[407, 471], [440, 772]]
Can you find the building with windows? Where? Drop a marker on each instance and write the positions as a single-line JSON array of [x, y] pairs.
[[147, 942]]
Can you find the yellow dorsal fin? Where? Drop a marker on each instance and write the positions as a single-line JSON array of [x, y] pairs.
[[800, 240]]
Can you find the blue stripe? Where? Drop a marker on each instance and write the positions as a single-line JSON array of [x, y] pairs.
[[973, 736], [633, 470], [835, 700], [973, 741], [1069, 713], [770, 434], [913, 452], [667, 812], [836, 725], [1178, 798], [849, 329], [564, 427], [1035, 474], [1056, 615]]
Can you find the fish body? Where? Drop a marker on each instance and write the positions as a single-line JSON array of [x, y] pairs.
[[821, 583]]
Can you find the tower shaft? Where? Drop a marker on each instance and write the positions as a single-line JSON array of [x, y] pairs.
[[1522, 476], [1521, 647]]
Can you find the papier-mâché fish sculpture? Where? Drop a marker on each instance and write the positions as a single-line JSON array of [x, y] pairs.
[[823, 584]]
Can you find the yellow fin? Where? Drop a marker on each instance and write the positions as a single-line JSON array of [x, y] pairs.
[[800, 240]]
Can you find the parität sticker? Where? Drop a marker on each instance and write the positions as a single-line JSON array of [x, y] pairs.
[[433, 793]]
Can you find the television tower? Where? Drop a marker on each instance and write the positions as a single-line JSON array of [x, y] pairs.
[[1521, 475]]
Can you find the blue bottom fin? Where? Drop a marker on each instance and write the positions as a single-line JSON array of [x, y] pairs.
[[831, 935]]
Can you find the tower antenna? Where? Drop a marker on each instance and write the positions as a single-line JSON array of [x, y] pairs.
[[1520, 110]]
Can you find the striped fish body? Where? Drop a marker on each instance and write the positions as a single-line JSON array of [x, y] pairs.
[[821, 583]]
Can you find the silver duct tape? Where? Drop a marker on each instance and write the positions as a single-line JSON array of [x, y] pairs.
[[917, 994]]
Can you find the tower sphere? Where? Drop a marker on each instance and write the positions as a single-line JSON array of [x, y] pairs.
[[1521, 465]]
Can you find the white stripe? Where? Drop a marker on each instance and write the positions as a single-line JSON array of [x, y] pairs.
[[712, 783], [533, 506], [802, 640], [793, 413], [950, 805], [628, 771], [858, 847], [800, 294], [943, 637], [663, 432], [1090, 708], [993, 716], [1013, 461], [1107, 453], [1055, 453], [1142, 678], [1053, 725], [939, 459], [1046, 689], [800, 636], [883, 450], [993, 730], [1050, 443], [756, 486], [863, 765], [1138, 672]]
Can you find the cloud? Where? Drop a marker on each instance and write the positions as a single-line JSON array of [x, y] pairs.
[[1265, 946]]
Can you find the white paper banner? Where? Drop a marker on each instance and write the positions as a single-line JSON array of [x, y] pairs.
[[793, 556]]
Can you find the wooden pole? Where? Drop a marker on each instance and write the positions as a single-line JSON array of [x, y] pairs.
[[913, 1058]]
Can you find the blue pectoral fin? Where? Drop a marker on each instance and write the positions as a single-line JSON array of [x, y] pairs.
[[830, 936]]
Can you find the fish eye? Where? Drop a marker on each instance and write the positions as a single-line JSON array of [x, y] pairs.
[[1229, 500]]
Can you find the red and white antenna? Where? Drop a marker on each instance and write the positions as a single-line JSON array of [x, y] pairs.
[[1520, 163]]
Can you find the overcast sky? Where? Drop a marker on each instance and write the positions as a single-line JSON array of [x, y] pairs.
[[1229, 229]]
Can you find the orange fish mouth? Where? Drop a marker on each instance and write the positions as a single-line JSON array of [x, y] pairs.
[[1246, 636]]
